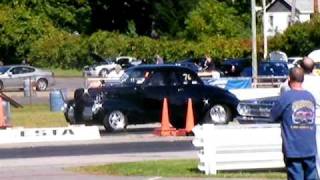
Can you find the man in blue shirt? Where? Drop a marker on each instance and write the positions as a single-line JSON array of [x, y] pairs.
[[295, 110]]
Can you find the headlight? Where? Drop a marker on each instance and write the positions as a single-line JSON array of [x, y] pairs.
[[243, 109], [65, 106], [96, 107]]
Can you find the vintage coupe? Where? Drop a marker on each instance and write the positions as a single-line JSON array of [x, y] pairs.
[[138, 99], [256, 110]]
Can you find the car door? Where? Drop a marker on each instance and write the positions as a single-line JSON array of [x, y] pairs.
[[185, 85], [15, 77], [20, 74], [155, 89]]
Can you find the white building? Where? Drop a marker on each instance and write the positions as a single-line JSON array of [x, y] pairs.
[[278, 14]]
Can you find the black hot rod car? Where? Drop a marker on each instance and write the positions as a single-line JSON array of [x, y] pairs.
[[138, 99]]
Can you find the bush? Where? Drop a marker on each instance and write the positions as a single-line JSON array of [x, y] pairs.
[[60, 50], [299, 39]]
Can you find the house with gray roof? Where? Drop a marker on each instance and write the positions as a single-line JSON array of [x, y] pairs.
[[278, 14]]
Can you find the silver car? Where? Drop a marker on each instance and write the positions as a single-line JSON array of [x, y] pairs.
[[14, 77]]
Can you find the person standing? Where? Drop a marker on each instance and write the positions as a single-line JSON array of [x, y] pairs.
[[159, 59], [311, 84], [209, 64], [295, 109]]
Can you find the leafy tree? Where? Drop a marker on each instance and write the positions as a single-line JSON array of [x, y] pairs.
[[71, 15], [299, 39], [19, 28], [213, 18]]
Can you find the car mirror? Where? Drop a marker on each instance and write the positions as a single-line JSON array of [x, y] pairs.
[[9, 73]]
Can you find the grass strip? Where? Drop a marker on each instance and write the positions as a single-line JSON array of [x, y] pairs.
[[36, 116], [173, 168], [66, 72]]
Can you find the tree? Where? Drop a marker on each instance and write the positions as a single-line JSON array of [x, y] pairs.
[[71, 15], [213, 18], [19, 28]]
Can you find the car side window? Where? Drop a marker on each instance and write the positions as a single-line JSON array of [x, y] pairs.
[[16, 70], [156, 79], [27, 70], [123, 61], [174, 79]]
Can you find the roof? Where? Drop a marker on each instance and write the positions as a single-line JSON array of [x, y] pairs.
[[160, 67], [302, 6]]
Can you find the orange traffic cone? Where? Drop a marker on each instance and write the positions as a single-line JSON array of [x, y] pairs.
[[2, 119], [166, 129], [190, 117]]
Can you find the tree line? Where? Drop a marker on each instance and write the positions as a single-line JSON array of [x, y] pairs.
[[63, 33]]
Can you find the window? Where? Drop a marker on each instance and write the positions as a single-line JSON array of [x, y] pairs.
[[156, 79], [16, 70], [271, 21]]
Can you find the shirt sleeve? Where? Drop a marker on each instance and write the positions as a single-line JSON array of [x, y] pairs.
[[277, 110]]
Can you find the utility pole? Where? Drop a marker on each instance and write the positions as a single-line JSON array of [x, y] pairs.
[[316, 6], [265, 40], [293, 12], [254, 42]]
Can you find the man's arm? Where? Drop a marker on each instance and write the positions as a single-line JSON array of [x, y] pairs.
[[277, 110]]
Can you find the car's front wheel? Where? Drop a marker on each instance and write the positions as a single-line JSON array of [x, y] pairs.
[[69, 113], [115, 120], [218, 114], [42, 84]]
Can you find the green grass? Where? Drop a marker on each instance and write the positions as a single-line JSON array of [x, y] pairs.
[[66, 72], [36, 116], [172, 168]]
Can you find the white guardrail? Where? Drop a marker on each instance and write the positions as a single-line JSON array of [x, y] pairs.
[[228, 147], [69, 133]]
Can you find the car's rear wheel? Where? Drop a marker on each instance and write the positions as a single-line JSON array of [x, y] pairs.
[[115, 120], [104, 73], [218, 114], [42, 84]]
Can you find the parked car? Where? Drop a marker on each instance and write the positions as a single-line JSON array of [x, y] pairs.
[[13, 77], [256, 110], [234, 67], [104, 66], [294, 61], [268, 68], [138, 99]]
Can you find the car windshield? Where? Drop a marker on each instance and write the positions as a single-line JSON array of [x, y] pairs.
[[3, 69]]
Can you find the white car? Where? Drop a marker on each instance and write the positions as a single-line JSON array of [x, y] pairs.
[[293, 61], [102, 69]]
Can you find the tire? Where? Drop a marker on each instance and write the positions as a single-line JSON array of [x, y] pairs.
[[218, 114], [1, 86], [115, 120], [104, 73], [42, 84]]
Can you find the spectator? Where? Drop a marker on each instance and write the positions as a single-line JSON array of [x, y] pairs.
[[310, 84], [159, 59], [295, 109], [209, 64]]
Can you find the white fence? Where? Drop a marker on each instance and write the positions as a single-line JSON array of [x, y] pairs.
[[238, 147]]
